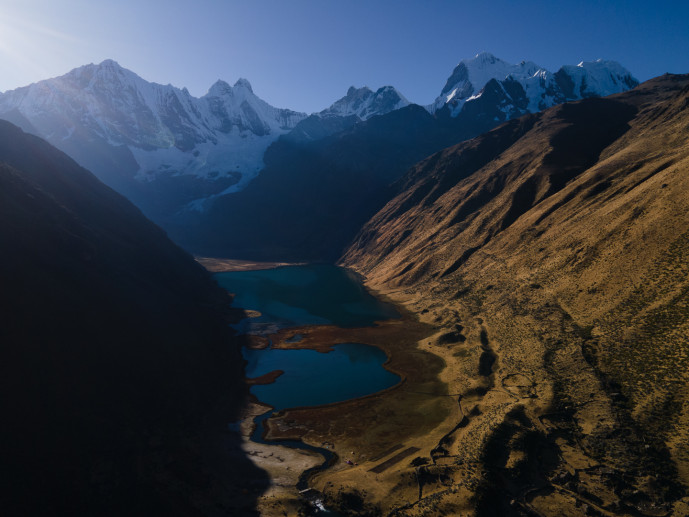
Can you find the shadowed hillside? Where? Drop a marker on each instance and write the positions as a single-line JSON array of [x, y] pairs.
[[557, 244], [118, 371], [309, 188]]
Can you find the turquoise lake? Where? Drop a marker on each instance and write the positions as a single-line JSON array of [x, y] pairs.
[[291, 296], [313, 378], [310, 295]]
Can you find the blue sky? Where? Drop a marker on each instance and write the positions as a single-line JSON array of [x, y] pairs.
[[304, 54]]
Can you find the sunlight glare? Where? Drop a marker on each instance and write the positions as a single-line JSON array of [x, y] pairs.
[[28, 48]]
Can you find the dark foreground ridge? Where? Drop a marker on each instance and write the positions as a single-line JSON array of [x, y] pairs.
[[118, 370]]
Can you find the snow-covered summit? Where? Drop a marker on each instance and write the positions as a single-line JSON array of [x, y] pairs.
[[220, 135], [533, 87], [598, 78], [237, 106], [470, 75], [219, 88], [358, 105], [365, 103], [243, 83]]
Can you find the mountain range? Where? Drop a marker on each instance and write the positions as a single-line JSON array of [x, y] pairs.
[[527, 87], [175, 155], [140, 137], [309, 185]]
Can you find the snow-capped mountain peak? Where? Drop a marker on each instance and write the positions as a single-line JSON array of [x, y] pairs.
[[107, 74], [222, 135], [365, 103], [243, 83], [241, 89], [107, 66], [533, 87], [218, 89], [598, 78], [353, 90], [471, 75]]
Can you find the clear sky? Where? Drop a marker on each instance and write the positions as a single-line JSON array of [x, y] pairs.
[[304, 54]]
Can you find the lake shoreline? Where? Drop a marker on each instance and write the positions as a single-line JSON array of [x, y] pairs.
[[345, 456], [222, 265], [415, 412], [323, 339]]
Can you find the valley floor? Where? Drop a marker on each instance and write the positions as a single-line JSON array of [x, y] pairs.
[[283, 464], [499, 413]]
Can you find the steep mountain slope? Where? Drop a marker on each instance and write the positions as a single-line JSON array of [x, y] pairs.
[[156, 144], [117, 366], [551, 252]]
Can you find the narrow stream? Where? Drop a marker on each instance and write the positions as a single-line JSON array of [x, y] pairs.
[[328, 455]]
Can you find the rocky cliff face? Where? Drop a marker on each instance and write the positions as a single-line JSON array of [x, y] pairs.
[[551, 253]]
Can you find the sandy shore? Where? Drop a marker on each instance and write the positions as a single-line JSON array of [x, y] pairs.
[[220, 265], [284, 465]]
